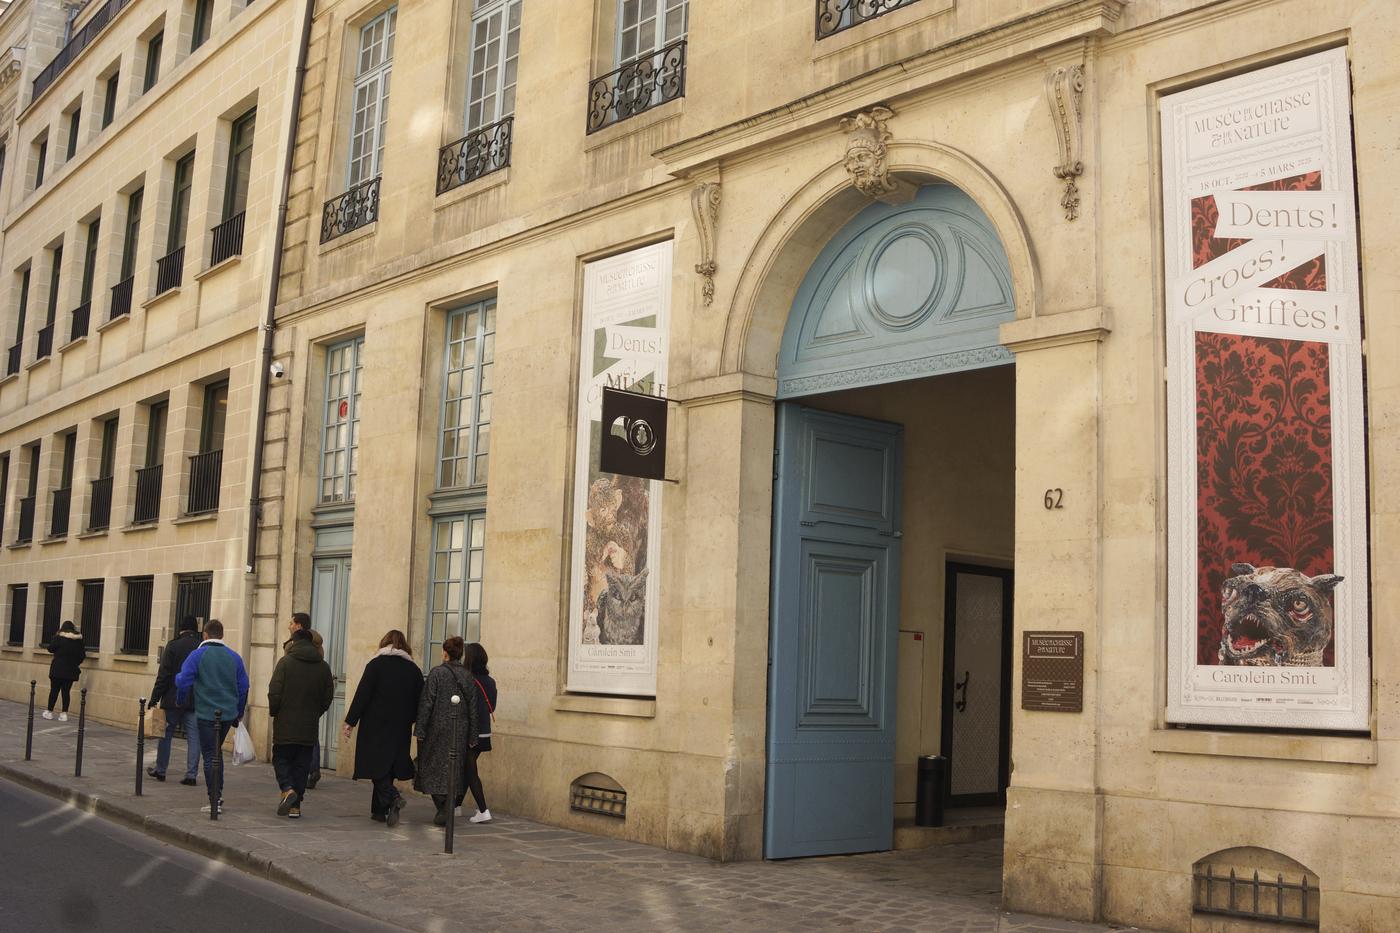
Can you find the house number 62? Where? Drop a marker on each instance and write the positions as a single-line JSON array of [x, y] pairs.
[[1054, 499]]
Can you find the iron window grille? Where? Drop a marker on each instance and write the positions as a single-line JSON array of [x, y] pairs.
[[475, 155], [340, 436], [45, 347], [148, 488], [454, 596], [193, 597], [136, 626], [100, 505], [601, 800], [80, 41], [26, 520], [90, 616], [637, 87], [12, 359], [356, 208], [1278, 901], [121, 298], [206, 469], [835, 16], [228, 239], [58, 512], [52, 614], [170, 271], [78, 327], [19, 605]]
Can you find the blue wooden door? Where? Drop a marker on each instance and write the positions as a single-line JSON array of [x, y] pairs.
[[835, 622]]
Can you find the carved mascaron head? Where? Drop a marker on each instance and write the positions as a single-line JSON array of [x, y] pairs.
[[866, 151]]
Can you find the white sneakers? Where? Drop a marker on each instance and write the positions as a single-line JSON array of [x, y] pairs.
[[482, 816], [62, 717], [48, 714]]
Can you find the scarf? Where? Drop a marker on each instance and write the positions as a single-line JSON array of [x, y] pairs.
[[394, 652]]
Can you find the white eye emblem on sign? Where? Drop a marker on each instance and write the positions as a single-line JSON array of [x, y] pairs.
[[636, 432]]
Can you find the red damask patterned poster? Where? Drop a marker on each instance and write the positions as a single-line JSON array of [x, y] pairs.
[[1267, 577]]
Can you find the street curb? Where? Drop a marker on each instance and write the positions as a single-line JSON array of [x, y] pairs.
[[249, 862]]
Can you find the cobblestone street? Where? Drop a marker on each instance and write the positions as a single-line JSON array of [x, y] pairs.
[[541, 877]]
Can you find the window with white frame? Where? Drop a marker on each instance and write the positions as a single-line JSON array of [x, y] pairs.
[[495, 59], [341, 436], [645, 26], [459, 547], [466, 395], [370, 103]]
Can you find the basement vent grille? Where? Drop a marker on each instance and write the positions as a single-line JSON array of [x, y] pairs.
[[1270, 899], [590, 799]]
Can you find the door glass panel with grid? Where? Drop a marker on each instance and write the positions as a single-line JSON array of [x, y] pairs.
[[459, 549], [466, 397]]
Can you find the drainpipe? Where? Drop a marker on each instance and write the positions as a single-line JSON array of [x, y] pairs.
[[270, 320]]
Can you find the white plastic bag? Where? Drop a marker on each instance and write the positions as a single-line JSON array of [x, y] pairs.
[[242, 746]]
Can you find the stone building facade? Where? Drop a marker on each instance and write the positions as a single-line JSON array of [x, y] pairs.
[[143, 147]]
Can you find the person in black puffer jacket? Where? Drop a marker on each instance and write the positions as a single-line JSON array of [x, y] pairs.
[[172, 658], [68, 653]]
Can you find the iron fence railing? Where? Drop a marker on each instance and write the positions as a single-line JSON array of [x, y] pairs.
[[637, 87], [58, 512], [26, 520], [12, 358], [100, 505], [79, 325], [205, 472], [228, 239], [136, 627], [170, 271], [835, 16], [121, 298], [45, 347], [356, 208], [80, 41], [1272, 901], [479, 153], [90, 613], [148, 483]]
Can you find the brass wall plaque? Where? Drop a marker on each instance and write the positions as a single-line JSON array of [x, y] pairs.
[[1052, 672]]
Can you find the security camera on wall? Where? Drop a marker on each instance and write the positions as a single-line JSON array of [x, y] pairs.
[[277, 369]]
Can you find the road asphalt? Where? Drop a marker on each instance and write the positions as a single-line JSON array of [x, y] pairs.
[[66, 869]]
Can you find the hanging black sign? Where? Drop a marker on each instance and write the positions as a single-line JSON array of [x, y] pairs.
[[634, 435]]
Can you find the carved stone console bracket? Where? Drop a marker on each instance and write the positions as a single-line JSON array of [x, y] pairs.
[[704, 202], [867, 156], [1064, 87]]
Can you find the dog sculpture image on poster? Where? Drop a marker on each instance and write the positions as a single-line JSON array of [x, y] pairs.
[[1276, 617]]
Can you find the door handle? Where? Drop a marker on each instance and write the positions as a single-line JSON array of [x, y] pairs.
[[961, 704]]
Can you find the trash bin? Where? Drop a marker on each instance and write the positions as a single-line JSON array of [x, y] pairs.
[[928, 799]]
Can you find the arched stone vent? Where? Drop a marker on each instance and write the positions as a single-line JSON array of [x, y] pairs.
[[597, 793], [1254, 884]]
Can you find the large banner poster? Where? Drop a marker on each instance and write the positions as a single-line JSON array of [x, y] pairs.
[[614, 579], [1267, 601]]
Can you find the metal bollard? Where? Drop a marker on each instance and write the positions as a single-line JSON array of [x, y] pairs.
[[216, 786], [140, 745], [82, 728], [452, 774], [29, 732]]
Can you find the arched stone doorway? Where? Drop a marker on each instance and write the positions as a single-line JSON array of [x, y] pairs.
[[890, 623]]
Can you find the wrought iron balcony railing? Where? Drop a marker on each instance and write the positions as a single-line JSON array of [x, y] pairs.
[[26, 521], [79, 326], [81, 40], [58, 512], [835, 16], [45, 342], [100, 506], [12, 358], [356, 208], [479, 153], [205, 472], [170, 271], [121, 298], [228, 239], [637, 87], [148, 483]]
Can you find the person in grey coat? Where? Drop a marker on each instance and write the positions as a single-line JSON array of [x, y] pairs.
[[434, 727]]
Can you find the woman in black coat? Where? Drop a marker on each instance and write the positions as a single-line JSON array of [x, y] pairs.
[[439, 719], [68, 652], [475, 661], [384, 707]]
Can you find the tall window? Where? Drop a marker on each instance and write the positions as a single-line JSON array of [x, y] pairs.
[[466, 395], [459, 545], [41, 157], [23, 304], [155, 433], [90, 613], [109, 100], [3, 148], [136, 627], [133, 230], [153, 50], [202, 19], [211, 429], [74, 125], [240, 162], [370, 107], [4, 489], [644, 26], [89, 262], [107, 460], [55, 267], [53, 612], [70, 455], [19, 603], [341, 438], [495, 57], [180, 203]]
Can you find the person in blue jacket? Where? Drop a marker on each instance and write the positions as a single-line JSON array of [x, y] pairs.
[[215, 673]]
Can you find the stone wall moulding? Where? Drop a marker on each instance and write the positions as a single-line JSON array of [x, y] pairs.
[[867, 156], [704, 202], [1064, 89]]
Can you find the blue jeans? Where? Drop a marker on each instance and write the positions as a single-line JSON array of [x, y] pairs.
[[173, 718], [208, 746]]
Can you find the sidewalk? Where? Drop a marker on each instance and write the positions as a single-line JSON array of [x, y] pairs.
[[511, 874]]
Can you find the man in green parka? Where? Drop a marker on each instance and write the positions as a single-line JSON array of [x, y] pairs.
[[301, 691]]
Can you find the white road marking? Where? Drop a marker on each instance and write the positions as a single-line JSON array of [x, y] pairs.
[[196, 886], [35, 821], [79, 818], [144, 872]]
